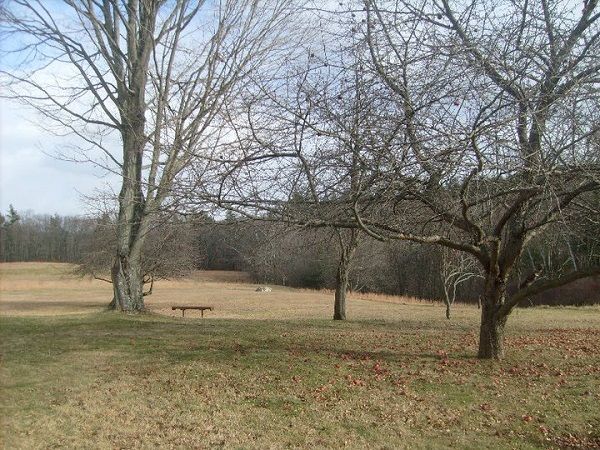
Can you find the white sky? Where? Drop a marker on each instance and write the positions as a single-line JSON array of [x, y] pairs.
[[31, 179]]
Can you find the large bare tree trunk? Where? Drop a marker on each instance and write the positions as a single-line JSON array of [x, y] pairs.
[[341, 287], [128, 285], [491, 331], [491, 334], [348, 244], [127, 272]]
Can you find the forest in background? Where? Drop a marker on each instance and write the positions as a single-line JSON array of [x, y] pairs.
[[277, 253]]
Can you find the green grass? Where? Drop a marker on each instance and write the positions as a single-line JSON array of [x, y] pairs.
[[104, 380]]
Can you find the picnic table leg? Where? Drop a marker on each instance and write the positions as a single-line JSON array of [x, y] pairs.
[[202, 313], [182, 312]]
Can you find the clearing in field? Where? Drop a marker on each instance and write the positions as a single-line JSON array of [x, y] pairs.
[[271, 370]]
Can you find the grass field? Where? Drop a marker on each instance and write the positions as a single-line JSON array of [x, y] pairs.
[[271, 370]]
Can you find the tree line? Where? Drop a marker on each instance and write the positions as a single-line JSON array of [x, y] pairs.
[[273, 253], [31, 237]]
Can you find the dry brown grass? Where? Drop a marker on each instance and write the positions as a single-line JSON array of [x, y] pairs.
[[50, 288], [44, 289], [47, 289]]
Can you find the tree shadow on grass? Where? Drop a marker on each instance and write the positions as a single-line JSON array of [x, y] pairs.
[[220, 339]]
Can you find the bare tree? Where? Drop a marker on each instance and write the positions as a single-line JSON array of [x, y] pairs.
[[303, 143], [456, 269], [141, 83], [498, 103]]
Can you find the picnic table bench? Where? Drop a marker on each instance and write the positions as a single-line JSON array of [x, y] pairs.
[[183, 308]]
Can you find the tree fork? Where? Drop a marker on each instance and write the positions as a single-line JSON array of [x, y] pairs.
[[127, 286]]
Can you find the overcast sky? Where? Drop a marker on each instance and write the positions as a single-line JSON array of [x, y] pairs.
[[30, 178]]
